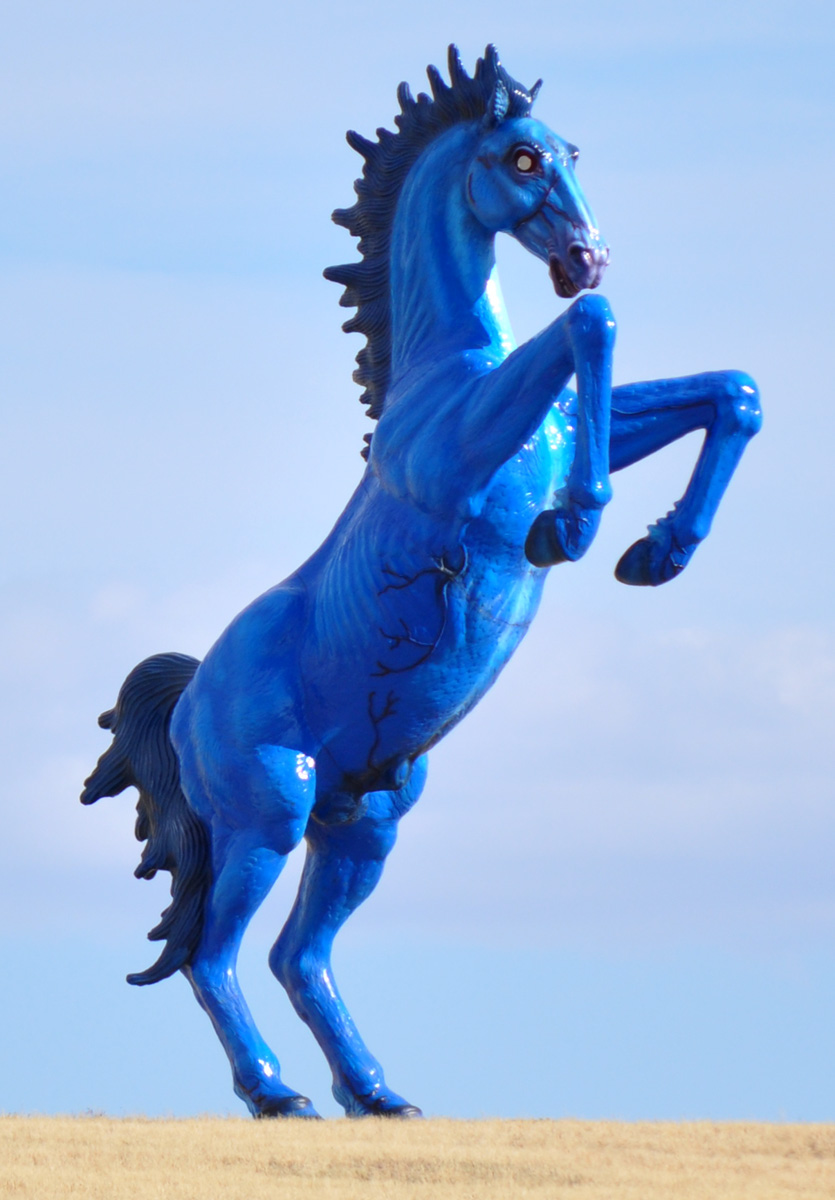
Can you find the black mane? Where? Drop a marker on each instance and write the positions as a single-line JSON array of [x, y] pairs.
[[387, 163]]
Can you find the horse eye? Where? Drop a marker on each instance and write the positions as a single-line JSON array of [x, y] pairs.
[[526, 161]]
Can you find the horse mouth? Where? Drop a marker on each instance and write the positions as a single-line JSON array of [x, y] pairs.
[[564, 286]]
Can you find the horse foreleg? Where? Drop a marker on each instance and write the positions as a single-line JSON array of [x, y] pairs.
[[343, 866], [565, 532], [647, 416]]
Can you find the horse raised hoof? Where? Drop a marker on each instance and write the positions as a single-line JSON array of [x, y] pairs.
[[561, 535], [288, 1106], [654, 559]]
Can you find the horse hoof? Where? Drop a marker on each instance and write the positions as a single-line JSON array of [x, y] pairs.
[[542, 549], [289, 1106], [404, 1112], [384, 1108], [385, 1105], [561, 535], [654, 559]]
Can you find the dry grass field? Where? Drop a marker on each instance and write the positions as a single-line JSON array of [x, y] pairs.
[[50, 1158]]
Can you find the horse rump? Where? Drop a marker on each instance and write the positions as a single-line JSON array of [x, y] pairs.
[[142, 756]]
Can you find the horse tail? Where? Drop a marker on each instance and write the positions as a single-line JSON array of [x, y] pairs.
[[141, 755]]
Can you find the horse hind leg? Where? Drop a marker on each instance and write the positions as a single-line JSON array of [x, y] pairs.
[[343, 866], [246, 864], [224, 851]]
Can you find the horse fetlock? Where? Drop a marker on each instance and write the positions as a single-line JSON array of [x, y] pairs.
[[692, 532], [594, 494], [681, 527]]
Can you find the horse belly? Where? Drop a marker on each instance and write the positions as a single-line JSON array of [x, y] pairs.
[[422, 671], [487, 604], [483, 629]]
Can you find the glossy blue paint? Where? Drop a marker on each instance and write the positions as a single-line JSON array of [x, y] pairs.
[[312, 715]]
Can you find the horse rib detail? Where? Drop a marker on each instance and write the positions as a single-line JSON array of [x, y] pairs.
[[387, 164], [141, 755]]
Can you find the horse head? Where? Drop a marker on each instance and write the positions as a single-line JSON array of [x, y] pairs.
[[474, 142], [521, 181]]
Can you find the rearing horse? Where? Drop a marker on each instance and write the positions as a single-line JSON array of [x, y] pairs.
[[312, 715]]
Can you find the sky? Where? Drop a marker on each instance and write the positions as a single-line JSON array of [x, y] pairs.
[[616, 897]]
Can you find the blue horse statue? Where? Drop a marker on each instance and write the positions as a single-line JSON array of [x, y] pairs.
[[312, 716]]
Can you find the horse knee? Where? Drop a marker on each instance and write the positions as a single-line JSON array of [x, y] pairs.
[[740, 410], [590, 318]]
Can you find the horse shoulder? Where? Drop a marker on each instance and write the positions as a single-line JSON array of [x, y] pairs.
[[419, 451]]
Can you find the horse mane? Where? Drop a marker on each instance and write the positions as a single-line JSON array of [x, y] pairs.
[[387, 163]]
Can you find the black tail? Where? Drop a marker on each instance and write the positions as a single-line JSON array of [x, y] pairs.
[[142, 756]]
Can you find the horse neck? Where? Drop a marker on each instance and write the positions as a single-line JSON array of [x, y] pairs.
[[445, 291]]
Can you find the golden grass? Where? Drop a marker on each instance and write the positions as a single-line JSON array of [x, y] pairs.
[[50, 1158]]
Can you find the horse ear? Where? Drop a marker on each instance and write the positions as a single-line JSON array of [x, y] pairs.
[[497, 105]]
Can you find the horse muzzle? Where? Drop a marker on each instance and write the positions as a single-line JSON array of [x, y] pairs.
[[581, 267]]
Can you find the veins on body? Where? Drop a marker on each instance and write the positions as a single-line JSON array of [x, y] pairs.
[[443, 572]]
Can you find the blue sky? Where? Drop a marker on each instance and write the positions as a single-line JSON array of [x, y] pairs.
[[650, 932]]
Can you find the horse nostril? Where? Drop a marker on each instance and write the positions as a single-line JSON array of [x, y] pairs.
[[581, 255]]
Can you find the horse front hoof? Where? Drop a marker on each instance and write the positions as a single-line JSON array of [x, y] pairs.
[[288, 1106], [542, 549], [654, 559], [561, 535]]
